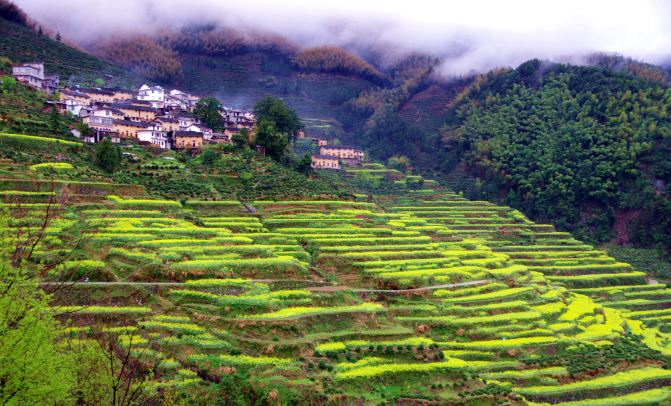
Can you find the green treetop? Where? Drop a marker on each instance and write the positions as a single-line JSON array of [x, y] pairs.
[[208, 111]]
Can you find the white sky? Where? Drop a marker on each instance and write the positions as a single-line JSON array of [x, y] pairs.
[[470, 34]]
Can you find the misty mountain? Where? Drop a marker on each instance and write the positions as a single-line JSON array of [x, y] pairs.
[[20, 43], [401, 103]]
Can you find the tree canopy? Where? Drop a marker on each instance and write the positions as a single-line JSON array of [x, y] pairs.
[[399, 162], [575, 146], [276, 126], [275, 142], [107, 156], [284, 119], [208, 111]]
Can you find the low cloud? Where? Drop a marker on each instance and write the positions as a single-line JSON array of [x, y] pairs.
[[469, 36]]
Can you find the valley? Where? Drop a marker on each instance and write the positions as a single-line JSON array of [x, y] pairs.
[[420, 294], [334, 204]]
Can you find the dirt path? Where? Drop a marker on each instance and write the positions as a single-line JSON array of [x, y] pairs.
[[329, 288], [130, 283], [422, 289]]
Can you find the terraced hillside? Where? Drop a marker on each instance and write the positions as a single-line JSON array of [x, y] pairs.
[[426, 108], [424, 296], [240, 80]]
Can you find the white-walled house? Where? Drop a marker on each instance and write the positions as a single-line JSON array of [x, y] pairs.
[[74, 101], [207, 132], [186, 121], [99, 123], [152, 94], [33, 75], [101, 112], [180, 99], [154, 135], [74, 106]]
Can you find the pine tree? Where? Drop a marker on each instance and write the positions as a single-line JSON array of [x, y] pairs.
[[56, 124], [108, 157]]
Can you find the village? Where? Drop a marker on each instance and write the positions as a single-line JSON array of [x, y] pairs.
[[155, 117]]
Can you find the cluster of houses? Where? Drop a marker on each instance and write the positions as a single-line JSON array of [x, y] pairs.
[[155, 117], [331, 156], [150, 115]]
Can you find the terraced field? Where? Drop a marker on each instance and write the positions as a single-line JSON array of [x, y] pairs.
[[426, 296]]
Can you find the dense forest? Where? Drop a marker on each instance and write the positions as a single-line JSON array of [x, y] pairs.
[[583, 147], [334, 59]]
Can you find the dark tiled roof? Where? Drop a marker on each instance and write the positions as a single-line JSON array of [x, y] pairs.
[[153, 87], [132, 107], [117, 90], [188, 134], [132, 123], [340, 147], [95, 91], [115, 111], [202, 127], [167, 119], [144, 102], [74, 93]]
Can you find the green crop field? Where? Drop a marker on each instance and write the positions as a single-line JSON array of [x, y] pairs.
[[424, 296]]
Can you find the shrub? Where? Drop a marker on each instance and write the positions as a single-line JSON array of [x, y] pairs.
[[609, 382], [298, 312], [370, 371], [54, 166], [32, 140], [184, 328], [102, 309], [240, 360]]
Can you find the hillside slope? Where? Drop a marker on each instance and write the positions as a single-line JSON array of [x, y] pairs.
[[21, 44], [241, 80], [585, 147], [335, 87], [424, 297]]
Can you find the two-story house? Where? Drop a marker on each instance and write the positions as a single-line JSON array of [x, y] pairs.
[[324, 162], [153, 94], [168, 123], [181, 100], [188, 140], [74, 101], [128, 128], [207, 132], [32, 74], [136, 112], [120, 94], [154, 135], [342, 152], [98, 95]]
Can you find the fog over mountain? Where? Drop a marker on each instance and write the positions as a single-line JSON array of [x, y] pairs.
[[468, 35]]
